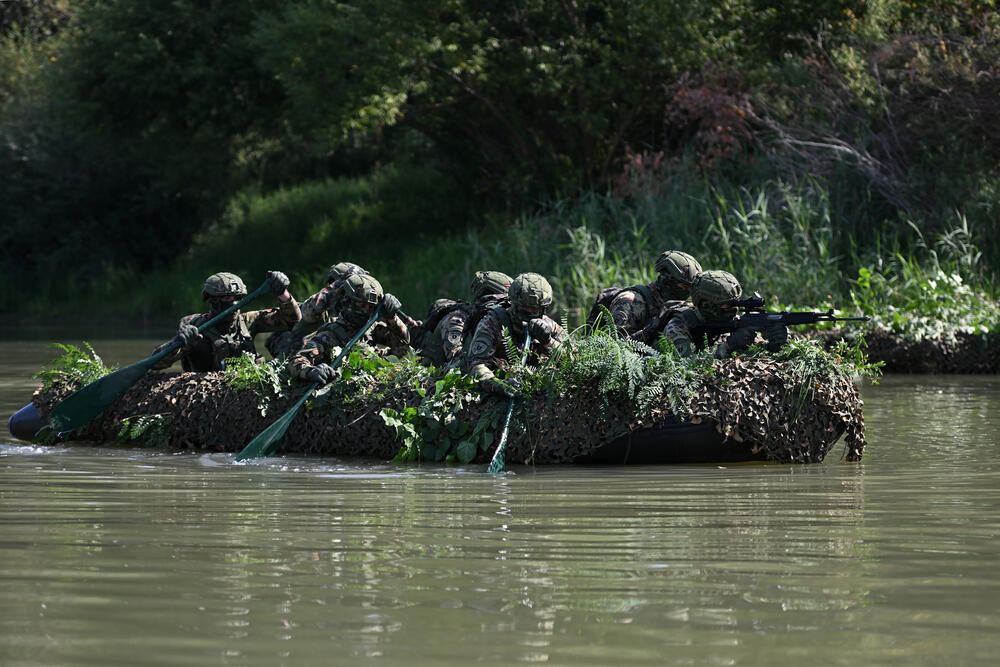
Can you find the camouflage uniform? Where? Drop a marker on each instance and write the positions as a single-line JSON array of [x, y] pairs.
[[357, 292], [637, 311], [230, 338], [710, 293], [317, 310], [445, 342], [487, 351], [391, 334]]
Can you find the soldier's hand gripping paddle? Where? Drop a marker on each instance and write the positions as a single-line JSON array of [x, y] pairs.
[[86, 403], [496, 464], [267, 442]]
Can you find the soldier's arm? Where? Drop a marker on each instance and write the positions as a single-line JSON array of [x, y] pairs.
[[482, 351], [393, 334], [315, 352], [176, 355], [625, 309], [678, 333], [452, 331], [282, 318]]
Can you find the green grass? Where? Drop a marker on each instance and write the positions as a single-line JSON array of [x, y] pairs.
[[413, 229]]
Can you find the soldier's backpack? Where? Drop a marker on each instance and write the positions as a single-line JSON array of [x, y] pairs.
[[439, 310], [604, 299]]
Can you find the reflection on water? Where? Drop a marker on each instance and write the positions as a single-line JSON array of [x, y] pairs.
[[185, 558]]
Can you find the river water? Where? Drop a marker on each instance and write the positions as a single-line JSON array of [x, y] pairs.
[[113, 556]]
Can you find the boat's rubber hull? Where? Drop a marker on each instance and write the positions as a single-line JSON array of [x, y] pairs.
[[24, 423]]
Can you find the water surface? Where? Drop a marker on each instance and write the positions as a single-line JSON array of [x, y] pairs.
[[126, 556]]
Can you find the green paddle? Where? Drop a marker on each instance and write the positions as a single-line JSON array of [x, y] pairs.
[[86, 403], [267, 442], [496, 465]]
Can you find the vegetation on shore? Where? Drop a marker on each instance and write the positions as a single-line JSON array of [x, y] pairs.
[[830, 154]]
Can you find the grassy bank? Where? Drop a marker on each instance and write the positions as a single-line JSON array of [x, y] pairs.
[[792, 243]]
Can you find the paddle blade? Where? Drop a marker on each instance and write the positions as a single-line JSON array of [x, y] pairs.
[[86, 403], [496, 465], [267, 442]]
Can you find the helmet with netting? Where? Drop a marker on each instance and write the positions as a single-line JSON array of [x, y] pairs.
[[712, 290], [490, 282], [678, 265], [342, 270], [530, 290], [220, 285]]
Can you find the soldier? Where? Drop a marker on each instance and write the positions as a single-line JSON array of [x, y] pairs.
[[230, 337], [359, 296], [712, 297], [530, 298], [316, 310], [636, 307], [441, 336]]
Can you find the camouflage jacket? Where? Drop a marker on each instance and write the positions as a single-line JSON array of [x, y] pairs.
[[217, 344], [631, 310], [685, 329], [683, 324], [447, 340], [392, 334], [487, 352]]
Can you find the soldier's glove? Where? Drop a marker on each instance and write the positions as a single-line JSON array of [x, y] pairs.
[[323, 374], [541, 330], [277, 281], [741, 339], [495, 385], [776, 336], [390, 305], [188, 334]]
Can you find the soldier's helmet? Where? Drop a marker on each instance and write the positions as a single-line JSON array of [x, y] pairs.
[[678, 265], [362, 288], [530, 296], [713, 292], [490, 282], [342, 270], [220, 285]]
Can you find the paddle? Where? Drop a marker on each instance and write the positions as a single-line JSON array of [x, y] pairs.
[[496, 464], [86, 403], [267, 442]]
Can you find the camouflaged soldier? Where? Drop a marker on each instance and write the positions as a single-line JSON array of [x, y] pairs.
[[713, 294], [530, 298], [634, 308], [234, 335], [359, 297], [441, 336], [317, 310]]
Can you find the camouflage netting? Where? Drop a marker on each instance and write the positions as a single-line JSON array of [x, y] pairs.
[[965, 353], [749, 400]]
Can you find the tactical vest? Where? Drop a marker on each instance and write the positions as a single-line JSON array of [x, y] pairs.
[[607, 295], [208, 354]]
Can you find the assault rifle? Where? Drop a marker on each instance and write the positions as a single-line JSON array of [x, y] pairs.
[[652, 330], [761, 319]]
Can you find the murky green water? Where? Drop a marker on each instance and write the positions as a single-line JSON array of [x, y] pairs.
[[112, 556]]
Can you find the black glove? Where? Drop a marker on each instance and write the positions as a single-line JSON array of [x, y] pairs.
[[277, 281], [776, 336], [390, 305], [541, 329], [322, 374], [495, 385], [741, 339], [188, 334]]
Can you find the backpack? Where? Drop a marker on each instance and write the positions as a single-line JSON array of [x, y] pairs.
[[439, 310], [604, 299]]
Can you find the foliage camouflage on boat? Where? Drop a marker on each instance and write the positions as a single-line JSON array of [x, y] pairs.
[[762, 402]]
